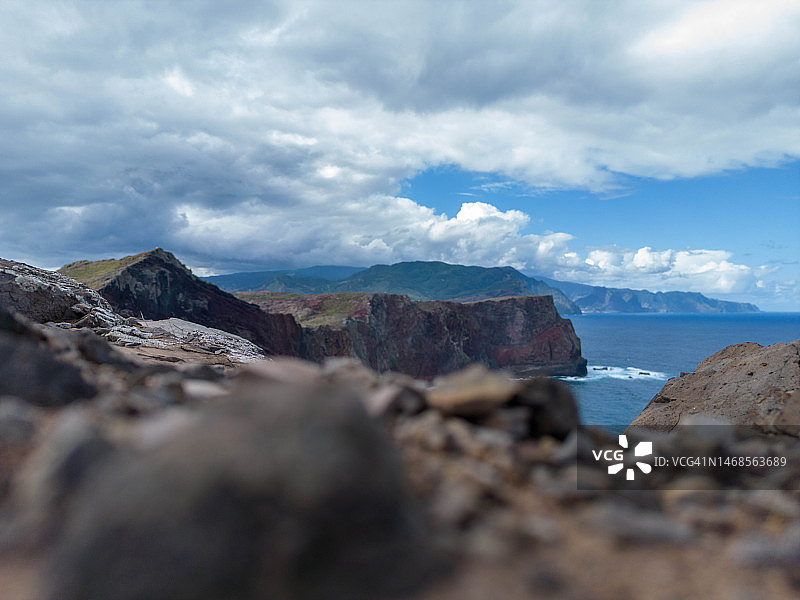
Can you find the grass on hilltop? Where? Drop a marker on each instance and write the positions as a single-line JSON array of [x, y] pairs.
[[311, 311], [96, 273]]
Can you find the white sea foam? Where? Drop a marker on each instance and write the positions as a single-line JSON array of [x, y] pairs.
[[595, 372]]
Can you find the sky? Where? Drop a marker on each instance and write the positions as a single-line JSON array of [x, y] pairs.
[[630, 144]]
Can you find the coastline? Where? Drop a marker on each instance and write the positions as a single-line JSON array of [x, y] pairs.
[[667, 344]]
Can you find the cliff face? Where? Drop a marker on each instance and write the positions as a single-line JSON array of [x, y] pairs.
[[424, 339], [157, 286], [744, 384], [525, 334]]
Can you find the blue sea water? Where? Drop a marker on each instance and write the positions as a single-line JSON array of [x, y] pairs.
[[632, 356]]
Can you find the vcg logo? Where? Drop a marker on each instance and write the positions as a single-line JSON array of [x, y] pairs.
[[618, 456]]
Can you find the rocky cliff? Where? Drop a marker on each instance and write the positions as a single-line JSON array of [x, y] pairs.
[[385, 331], [155, 285], [423, 339], [744, 384]]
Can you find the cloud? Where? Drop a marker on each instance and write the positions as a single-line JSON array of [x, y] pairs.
[[280, 133], [480, 233], [717, 26], [708, 271]]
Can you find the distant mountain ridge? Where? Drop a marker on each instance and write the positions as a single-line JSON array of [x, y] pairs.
[[420, 280], [599, 299], [433, 280], [250, 281]]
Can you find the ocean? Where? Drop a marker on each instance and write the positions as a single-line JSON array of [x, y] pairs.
[[632, 356]]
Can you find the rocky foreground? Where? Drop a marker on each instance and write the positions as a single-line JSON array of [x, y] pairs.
[[164, 461]]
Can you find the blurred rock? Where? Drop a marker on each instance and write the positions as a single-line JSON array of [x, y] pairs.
[[17, 421], [281, 491], [387, 394], [630, 525], [553, 408], [56, 469], [18, 424], [282, 370], [475, 391], [31, 372], [426, 430], [770, 551]]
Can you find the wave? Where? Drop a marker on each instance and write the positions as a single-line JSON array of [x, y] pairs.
[[595, 372]]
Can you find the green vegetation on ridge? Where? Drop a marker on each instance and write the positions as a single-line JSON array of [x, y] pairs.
[[423, 281], [326, 309], [96, 273]]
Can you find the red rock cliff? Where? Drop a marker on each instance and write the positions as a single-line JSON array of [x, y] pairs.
[[423, 339]]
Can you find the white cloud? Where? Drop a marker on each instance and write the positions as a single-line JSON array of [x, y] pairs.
[[708, 271], [480, 233], [720, 25], [649, 261], [176, 80]]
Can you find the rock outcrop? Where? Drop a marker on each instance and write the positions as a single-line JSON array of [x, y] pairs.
[[155, 285], [176, 340], [524, 335], [743, 384], [45, 296]]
